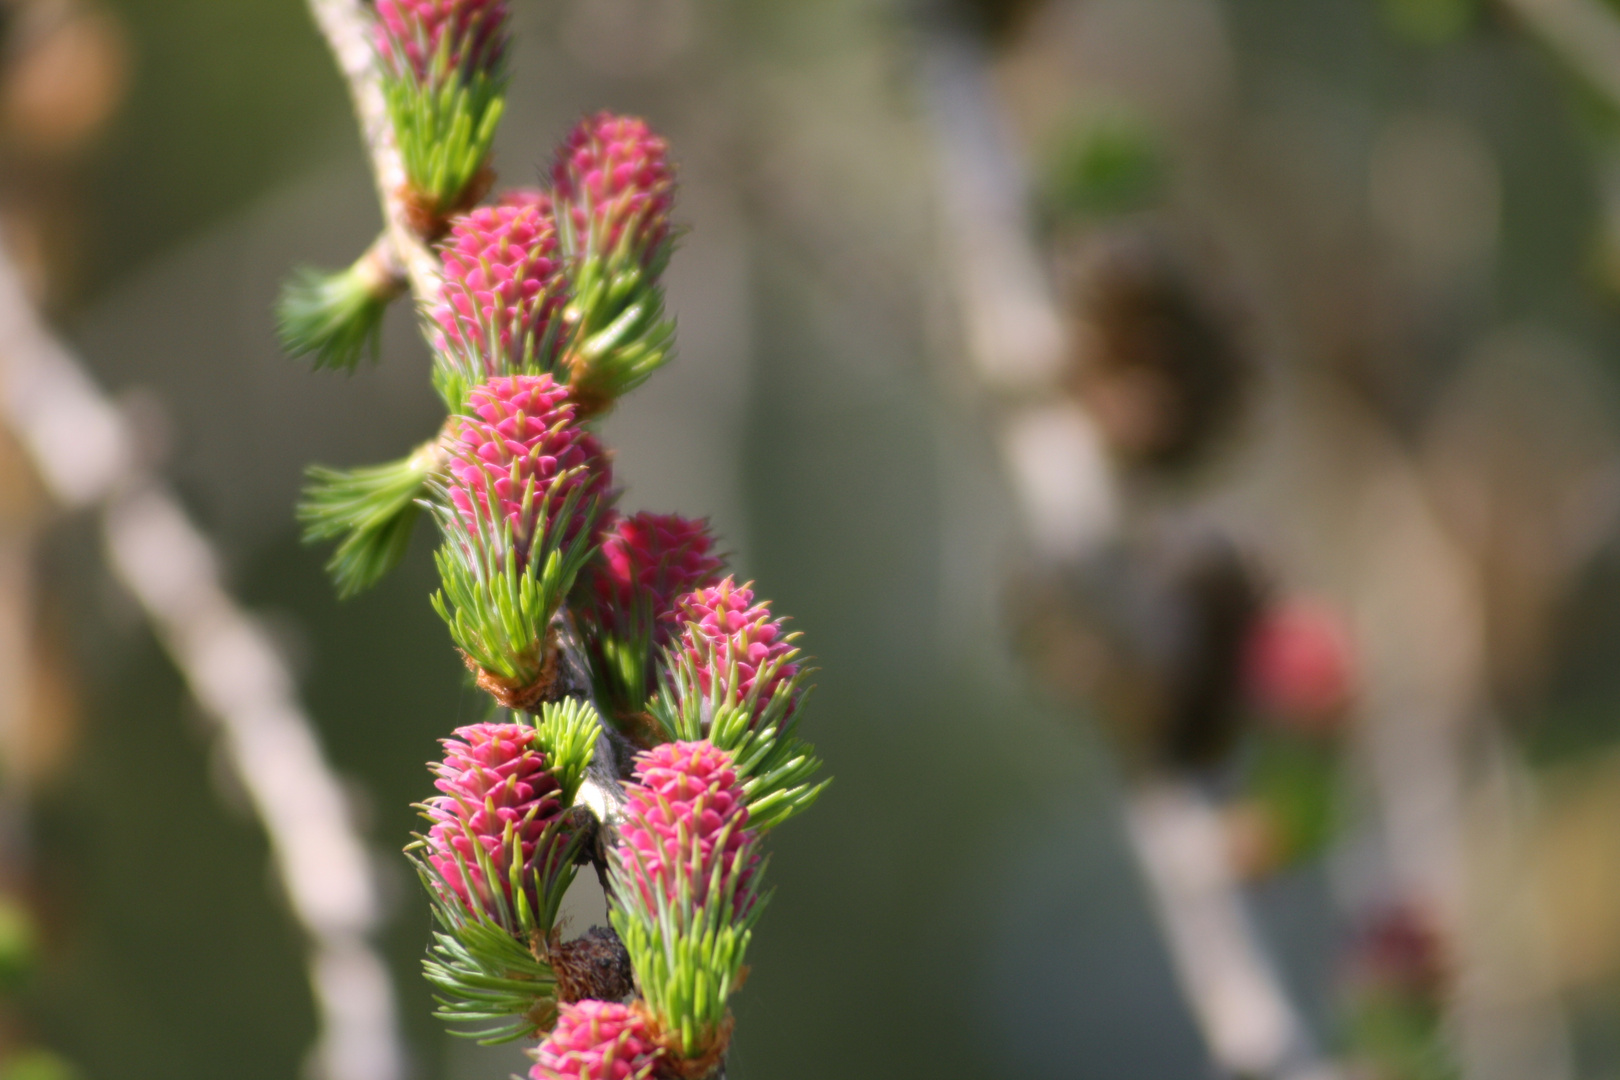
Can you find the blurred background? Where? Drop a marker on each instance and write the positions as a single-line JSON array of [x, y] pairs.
[[1186, 433]]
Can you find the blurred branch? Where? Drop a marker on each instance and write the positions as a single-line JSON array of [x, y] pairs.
[[1584, 32], [87, 457], [1453, 797], [1015, 336], [1051, 447], [1237, 999], [347, 27]]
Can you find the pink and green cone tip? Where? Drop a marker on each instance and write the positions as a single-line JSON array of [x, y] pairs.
[[504, 289], [651, 560], [647, 562], [525, 489], [722, 627], [519, 458], [596, 1040], [614, 176], [685, 817], [612, 195], [411, 33], [495, 797], [444, 84]]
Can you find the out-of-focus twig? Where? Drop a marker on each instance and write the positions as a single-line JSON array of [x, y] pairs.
[[1451, 794], [1054, 453], [1585, 33], [347, 27], [85, 454], [1252, 1027]]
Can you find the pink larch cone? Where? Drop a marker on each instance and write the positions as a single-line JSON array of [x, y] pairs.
[[1299, 665], [410, 33], [494, 790], [650, 560], [596, 1040], [686, 809], [504, 285], [722, 625], [1401, 948], [521, 444], [613, 173]]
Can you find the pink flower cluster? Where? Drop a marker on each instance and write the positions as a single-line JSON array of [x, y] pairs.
[[502, 275], [722, 626], [1401, 948], [412, 32], [613, 173], [685, 815], [596, 1040], [651, 559], [522, 435], [495, 788], [1299, 665]]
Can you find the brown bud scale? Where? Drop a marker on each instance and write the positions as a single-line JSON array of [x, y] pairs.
[[594, 966]]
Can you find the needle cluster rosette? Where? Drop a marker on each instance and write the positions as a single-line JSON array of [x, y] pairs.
[[503, 296], [444, 82], [526, 485], [613, 189], [596, 1040], [685, 873], [648, 561], [335, 317]]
